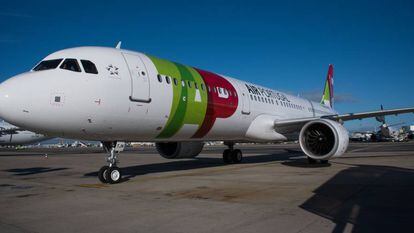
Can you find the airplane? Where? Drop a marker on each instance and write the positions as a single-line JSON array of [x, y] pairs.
[[388, 132], [114, 95], [11, 135]]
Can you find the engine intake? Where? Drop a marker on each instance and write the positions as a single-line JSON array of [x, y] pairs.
[[323, 139], [179, 150]]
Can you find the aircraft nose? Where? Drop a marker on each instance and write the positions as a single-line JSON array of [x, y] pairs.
[[4, 98], [12, 104]]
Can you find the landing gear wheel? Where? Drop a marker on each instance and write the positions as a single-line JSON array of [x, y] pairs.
[[103, 174], [236, 156], [114, 175], [227, 156], [311, 160]]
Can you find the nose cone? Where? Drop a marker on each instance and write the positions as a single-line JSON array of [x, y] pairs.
[[14, 101]]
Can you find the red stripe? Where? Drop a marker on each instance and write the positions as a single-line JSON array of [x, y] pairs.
[[217, 107]]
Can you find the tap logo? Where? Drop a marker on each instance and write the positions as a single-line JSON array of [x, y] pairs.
[[201, 100]]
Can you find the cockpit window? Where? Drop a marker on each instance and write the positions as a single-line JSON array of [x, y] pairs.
[[47, 65], [70, 64], [89, 67]]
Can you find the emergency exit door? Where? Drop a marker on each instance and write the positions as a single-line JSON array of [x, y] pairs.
[[140, 85]]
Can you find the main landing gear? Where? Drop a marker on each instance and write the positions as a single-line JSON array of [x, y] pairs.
[[111, 173], [232, 155]]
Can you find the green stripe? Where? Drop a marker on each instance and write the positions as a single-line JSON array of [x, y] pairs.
[[185, 109], [176, 120], [196, 110], [165, 67]]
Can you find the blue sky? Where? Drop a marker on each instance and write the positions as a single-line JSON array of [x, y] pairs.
[[283, 45]]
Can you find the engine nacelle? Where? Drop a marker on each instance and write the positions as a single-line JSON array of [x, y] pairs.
[[323, 139], [179, 150]]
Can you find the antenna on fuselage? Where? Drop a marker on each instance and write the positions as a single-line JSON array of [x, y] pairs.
[[118, 46]]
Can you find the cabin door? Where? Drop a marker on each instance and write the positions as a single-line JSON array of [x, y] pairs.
[[140, 86], [245, 99]]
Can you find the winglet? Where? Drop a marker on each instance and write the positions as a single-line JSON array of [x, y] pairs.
[[118, 46]]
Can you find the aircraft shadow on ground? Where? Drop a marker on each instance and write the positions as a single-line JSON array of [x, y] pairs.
[[33, 170], [181, 165], [371, 198]]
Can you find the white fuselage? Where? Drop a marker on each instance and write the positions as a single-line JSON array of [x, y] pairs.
[[125, 101]]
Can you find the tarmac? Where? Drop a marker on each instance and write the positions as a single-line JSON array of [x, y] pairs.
[[369, 189]]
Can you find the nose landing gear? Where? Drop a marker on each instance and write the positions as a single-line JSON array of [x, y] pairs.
[[111, 173], [232, 155]]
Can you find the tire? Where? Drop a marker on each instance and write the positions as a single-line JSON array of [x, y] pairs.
[[103, 174], [114, 175], [324, 161], [227, 156], [236, 156]]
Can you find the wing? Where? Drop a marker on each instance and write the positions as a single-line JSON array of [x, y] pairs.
[[4, 131], [354, 116], [294, 125]]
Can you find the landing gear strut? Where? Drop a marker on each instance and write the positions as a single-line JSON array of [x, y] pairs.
[[232, 155], [110, 173]]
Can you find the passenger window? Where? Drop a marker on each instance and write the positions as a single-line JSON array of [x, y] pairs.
[[159, 78], [208, 88], [89, 67], [255, 98], [48, 65], [189, 84], [175, 81], [71, 64], [183, 83], [219, 89], [202, 86], [196, 85], [167, 79]]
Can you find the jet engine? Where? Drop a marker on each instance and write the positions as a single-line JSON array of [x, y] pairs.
[[322, 139], [179, 150]]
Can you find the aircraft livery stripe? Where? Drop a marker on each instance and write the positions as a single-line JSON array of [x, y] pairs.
[[165, 67], [195, 105], [197, 100], [219, 105], [176, 119]]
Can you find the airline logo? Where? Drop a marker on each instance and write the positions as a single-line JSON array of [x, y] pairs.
[[199, 98], [266, 93]]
